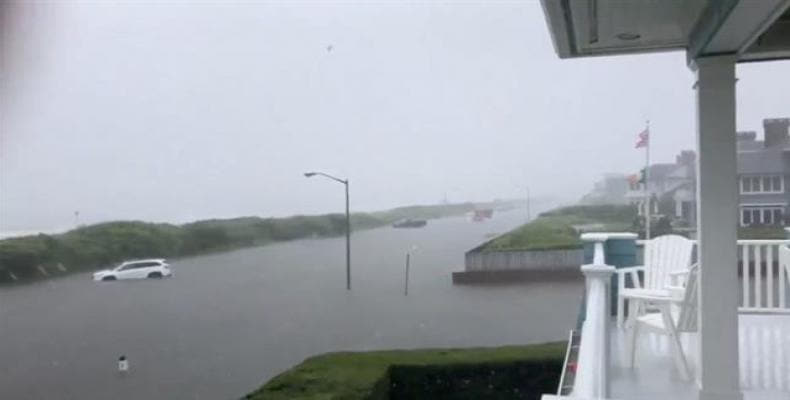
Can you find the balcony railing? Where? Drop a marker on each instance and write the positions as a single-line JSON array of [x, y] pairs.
[[592, 370], [764, 267], [765, 276]]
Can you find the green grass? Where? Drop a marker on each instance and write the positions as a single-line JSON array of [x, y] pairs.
[[352, 375], [549, 233], [554, 230]]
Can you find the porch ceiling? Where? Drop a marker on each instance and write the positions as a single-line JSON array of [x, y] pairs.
[[754, 30]]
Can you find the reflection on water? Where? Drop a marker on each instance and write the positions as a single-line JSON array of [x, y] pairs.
[[227, 322]]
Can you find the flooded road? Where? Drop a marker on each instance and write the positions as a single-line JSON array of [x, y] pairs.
[[225, 323]]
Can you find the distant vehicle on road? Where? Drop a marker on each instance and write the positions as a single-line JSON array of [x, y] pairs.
[[482, 214], [410, 223], [135, 269]]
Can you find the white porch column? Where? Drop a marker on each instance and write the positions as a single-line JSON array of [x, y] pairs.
[[717, 228]]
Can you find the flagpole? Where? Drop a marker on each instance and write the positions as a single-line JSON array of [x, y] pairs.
[[647, 179]]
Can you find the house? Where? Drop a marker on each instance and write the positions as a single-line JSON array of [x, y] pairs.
[[612, 189], [763, 174], [763, 168], [671, 188]]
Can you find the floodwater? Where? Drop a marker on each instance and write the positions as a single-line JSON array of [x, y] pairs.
[[226, 323]]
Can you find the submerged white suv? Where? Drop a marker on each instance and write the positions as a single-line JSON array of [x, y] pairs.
[[136, 269]]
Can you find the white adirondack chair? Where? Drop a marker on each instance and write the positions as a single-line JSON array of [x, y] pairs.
[[677, 313], [784, 276], [665, 257]]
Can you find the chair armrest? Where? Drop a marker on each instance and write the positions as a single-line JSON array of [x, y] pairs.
[[678, 276], [676, 291], [627, 270], [653, 298]]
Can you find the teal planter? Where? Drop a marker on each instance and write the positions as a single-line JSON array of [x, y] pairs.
[[619, 253]]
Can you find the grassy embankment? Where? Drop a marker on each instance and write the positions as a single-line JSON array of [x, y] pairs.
[[508, 372], [555, 229], [90, 247]]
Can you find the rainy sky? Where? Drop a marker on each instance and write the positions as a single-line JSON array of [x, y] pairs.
[[176, 111]]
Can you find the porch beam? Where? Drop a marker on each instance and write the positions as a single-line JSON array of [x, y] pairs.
[[732, 26], [713, 16], [717, 227]]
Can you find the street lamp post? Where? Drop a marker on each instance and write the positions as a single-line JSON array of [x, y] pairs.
[[529, 213], [348, 223]]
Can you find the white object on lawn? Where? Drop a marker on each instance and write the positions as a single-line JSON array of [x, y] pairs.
[[123, 364]]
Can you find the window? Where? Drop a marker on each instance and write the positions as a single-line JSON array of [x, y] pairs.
[[140, 265], [762, 184], [762, 215], [148, 264]]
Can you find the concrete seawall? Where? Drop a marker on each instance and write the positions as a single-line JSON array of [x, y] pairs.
[[519, 265], [523, 260]]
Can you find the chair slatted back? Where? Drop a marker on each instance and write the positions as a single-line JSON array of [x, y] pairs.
[[665, 254], [687, 317], [784, 275]]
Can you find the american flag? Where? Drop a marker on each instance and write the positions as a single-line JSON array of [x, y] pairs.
[[643, 138]]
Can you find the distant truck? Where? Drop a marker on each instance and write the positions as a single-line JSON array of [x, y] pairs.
[[482, 214]]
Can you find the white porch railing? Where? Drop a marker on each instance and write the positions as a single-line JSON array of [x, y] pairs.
[[592, 371], [765, 279], [592, 367]]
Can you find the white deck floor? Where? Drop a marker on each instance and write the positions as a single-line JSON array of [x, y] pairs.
[[764, 363]]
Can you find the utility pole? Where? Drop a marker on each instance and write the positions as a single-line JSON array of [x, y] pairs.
[[406, 281], [348, 242]]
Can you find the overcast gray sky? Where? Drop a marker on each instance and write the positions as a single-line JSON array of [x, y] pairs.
[[187, 111]]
